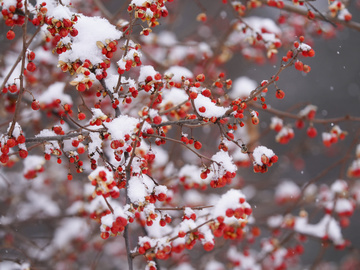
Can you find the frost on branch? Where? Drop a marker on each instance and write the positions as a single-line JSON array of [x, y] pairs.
[[206, 108], [84, 45], [327, 228], [142, 190]]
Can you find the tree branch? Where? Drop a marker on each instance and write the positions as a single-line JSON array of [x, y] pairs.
[[301, 11]]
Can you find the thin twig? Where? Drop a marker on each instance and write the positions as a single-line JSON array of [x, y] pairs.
[[183, 144], [301, 11], [21, 91], [18, 59], [299, 117], [110, 94]]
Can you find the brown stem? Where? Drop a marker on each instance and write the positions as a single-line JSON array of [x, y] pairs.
[[185, 122], [299, 117], [108, 205], [172, 108], [55, 138], [182, 208], [110, 94], [129, 30], [126, 231], [319, 13], [301, 11], [319, 257], [181, 143], [18, 59], [21, 91]]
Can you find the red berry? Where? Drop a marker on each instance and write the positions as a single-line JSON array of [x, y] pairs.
[[208, 246], [81, 87], [81, 116], [35, 21], [197, 145], [157, 76], [299, 124], [63, 32], [248, 211], [31, 56], [206, 93], [202, 109], [13, 88], [299, 65], [11, 142], [229, 212], [348, 17], [193, 95], [104, 235], [20, 139], [23, 153], [274, 159], [280, 94], [10, 35], [162, 222], [74, 32], [311, 132], [157, 120], [311, 53], [200, 77], [35, 105]]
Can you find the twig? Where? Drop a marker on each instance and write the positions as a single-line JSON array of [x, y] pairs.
[[319, 257], [128, 31], [182, 208], [128, 201], [110, 94], [21, 91], [298, 10], [299, 117], [181, 143], [43, 139], [18, 60], [103, 9], [320, 14], [108, 205]]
